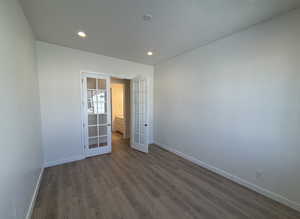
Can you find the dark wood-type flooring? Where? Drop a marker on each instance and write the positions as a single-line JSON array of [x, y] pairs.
[[131, 185]]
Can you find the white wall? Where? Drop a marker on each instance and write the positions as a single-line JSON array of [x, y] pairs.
[[235, 105], [59, 76], [20, 136]]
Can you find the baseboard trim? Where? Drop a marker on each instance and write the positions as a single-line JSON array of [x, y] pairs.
[[64, 160], [279, 198], [34, 196]]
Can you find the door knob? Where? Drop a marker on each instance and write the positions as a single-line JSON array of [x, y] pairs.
[[146, 125]]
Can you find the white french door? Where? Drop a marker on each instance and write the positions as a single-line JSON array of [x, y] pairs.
[[96, 114], [140, 126]]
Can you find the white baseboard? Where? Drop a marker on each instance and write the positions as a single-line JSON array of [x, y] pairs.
[[64, 160], [258, 189], [34, 196]]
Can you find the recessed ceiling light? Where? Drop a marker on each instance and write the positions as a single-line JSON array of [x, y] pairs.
[[82, 34], [149, 53]]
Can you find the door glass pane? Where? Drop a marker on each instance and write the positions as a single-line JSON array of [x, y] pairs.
[[97, 109], [137, 113], [93, 143], [92, 119], [101, 101], [92, 101], [91, 83], [102, 141], [102, 119], [102, 130], [92, 131], [142, 109], [101, 84]]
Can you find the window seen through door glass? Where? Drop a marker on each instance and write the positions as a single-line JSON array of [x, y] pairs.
[[97, 102], [96, 96]]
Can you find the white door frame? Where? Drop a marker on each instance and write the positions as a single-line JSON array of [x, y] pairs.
[[123, 76]]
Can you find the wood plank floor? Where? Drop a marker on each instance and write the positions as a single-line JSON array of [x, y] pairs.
[[159, 185]]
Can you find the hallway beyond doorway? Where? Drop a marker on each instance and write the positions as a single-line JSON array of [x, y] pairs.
[[119, 143]]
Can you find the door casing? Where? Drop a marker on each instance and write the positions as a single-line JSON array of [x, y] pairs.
[[123, 76]]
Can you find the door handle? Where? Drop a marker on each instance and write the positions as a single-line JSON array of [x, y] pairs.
[[145, 125], [108, 124]]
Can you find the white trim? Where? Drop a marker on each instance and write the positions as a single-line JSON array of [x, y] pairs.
[[34, 196], [258, 189], [64, 160], [98, 151], [114, 75], [120, 76]]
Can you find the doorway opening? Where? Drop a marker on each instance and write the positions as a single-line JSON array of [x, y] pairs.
[[120, 113], [114, 110]]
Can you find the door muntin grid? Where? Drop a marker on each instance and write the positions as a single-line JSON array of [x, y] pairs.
[[97, 113], [140, 111]]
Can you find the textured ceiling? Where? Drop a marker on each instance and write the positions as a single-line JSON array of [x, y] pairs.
[[116, 27]]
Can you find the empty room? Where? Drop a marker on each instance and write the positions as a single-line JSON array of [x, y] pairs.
[[150, 109]]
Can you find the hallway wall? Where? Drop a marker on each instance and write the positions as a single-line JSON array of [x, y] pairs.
[[117, 96], [126, 101]]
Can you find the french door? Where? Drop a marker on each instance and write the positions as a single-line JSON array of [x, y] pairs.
[[140, 126], [96, 114]]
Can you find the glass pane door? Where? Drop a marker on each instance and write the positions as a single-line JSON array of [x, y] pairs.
[[97, 113], [140, 126]]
